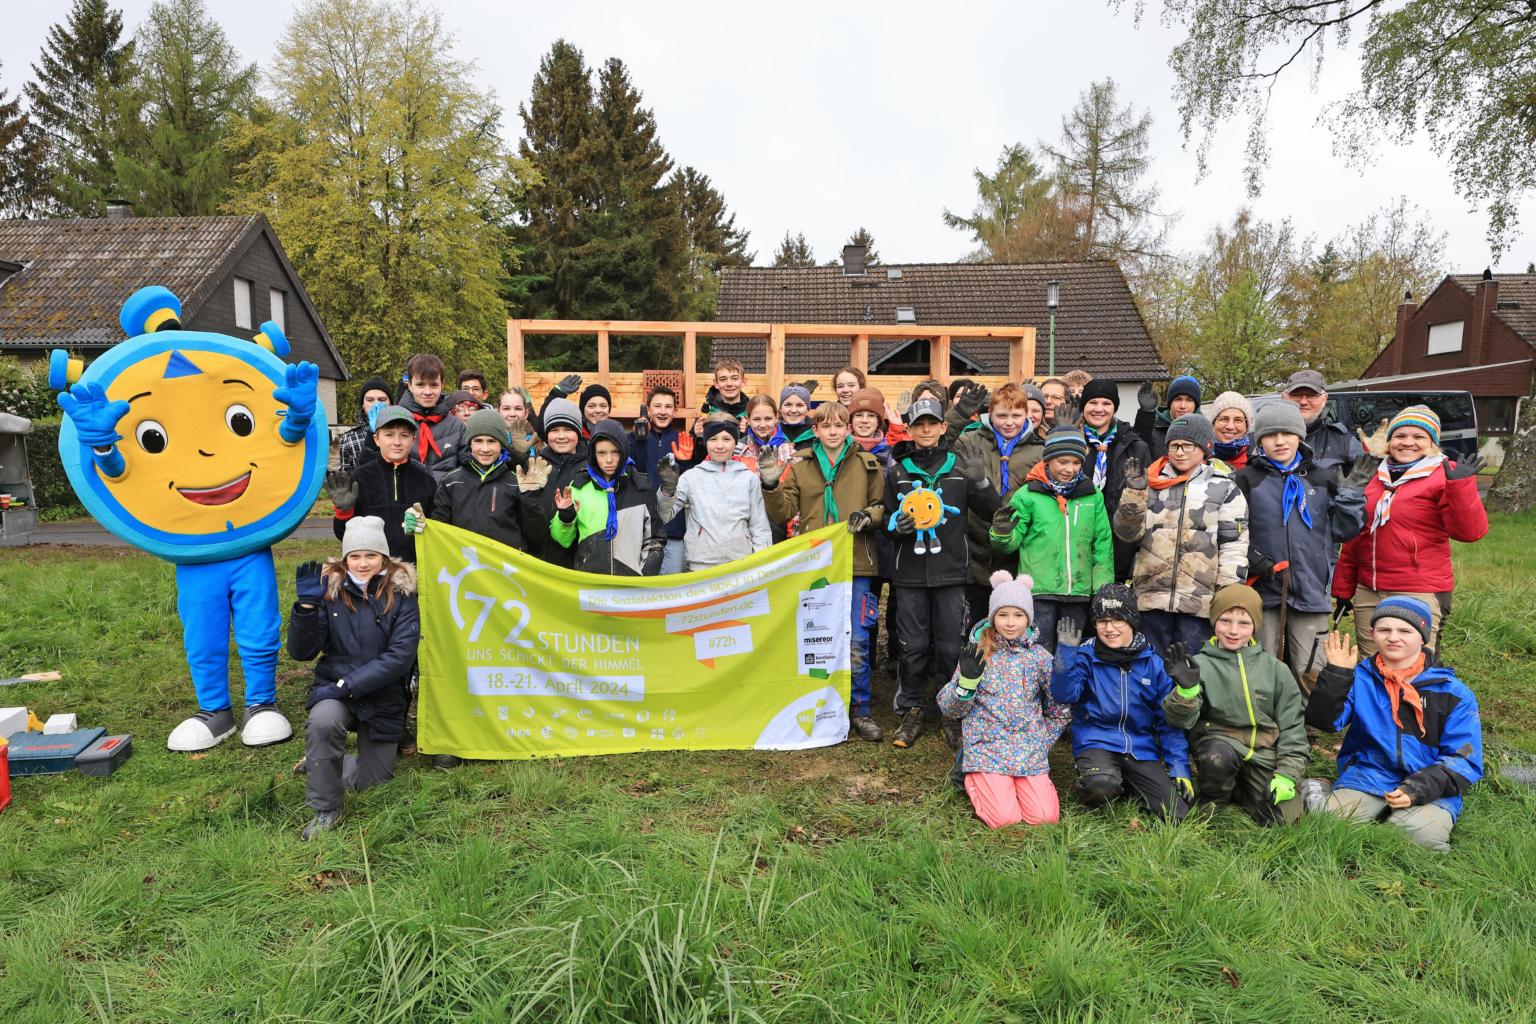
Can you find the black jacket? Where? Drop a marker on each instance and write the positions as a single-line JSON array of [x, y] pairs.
[[370, 648], [713, 402], [1127, 443], [387, 490], [492, 505], [564, 469], [951, 566]]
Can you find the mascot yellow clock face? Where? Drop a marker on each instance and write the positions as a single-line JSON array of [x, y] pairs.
[[201, 443], [924, 506]]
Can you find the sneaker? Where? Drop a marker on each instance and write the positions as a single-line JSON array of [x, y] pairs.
[[323, 821], [952, 733], [202, 731], [264, 725], [910, 729], [446, 761], [866, 728]]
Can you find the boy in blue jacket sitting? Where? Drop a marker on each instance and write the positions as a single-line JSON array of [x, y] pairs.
[[1116, 684], [1415, 741]]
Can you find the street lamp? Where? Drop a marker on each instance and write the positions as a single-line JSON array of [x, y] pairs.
[[1052, 300]]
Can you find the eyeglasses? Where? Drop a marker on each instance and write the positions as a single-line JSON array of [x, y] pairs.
[[1183, 448]]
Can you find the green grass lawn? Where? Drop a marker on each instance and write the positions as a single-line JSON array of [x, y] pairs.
[[842, 884]]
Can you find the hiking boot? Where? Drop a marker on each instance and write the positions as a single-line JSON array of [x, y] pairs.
[[323, 821], [910, 729], [865, 728], [446, 761], [952, 733]]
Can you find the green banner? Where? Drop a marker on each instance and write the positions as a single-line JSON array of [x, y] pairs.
[[521, 659]]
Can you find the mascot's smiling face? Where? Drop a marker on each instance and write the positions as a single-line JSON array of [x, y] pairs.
[[201, 442], [924, 506]]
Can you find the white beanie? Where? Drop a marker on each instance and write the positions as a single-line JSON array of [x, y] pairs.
[[1232, 400], [364, 533]]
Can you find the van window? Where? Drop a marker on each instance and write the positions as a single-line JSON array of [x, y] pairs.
[[1366, 409]]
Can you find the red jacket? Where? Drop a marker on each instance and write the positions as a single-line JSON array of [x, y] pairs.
[[1411, 552]]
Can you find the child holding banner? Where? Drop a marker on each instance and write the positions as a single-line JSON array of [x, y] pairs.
[[566, 453], [610, 517], [723, 499], [837, 482], [1001, 693]]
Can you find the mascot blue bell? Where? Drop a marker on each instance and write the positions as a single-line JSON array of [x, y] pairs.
[[204, 450]]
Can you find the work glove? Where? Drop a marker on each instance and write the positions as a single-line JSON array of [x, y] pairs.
[[1135, 474], [810, 385], [667, 474], [642, 427], [859, 521], [682, 448], [1360, 472], [1470, 467], [971, 400], [341, 489], [769, 467], [1068, 634], [971, 666], [534, 477], [904, 524], [1182, 667], [1185, 788], [570, 384], [415, 519], [300, 393], [1282, 788], [95, 418], [1342, 606], [1003, 521], [308, 584], [1146, 397], [1070, 412]]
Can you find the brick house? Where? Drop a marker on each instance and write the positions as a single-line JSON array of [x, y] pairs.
[[63, 282], [1474, 333]]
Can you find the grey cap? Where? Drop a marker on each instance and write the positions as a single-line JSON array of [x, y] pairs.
[[561, 412], [1278, 418], [924, 407], [1195, 429], [364, 533], [392, 414], [1308, 379]]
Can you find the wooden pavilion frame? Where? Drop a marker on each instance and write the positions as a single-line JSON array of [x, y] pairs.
[[627, 388]]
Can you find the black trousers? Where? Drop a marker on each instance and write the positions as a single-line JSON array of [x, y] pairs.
[[1049, 613], [928, 620], [977, 597], [1103, 775], [1222, 776]]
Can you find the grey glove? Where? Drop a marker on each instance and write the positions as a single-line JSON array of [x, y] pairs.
[[1002, 521], [1471, 466], [341, 489], [570, 384], [905, 524], [859, 521], [1146, 398], [1135, 475], [667, 474], [1361, 471], [970, 401], [1068, 633], [769, 468]]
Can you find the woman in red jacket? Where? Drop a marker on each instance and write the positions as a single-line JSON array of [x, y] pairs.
[[1418, 502]]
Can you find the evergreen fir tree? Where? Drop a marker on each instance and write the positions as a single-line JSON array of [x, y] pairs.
[[794, 251], [713, 242], [23, 152]]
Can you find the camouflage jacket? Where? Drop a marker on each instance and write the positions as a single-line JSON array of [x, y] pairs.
[[1192, 537]]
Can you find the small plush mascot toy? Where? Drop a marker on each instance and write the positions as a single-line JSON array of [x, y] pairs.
[[927, 509], [204, 450]]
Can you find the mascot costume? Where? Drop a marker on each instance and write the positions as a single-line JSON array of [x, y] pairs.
[[204, 450]]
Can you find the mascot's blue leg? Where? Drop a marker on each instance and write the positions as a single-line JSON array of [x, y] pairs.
[[202, 600], [258, 635]]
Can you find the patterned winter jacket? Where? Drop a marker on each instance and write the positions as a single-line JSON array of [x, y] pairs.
[[1193, 538], [1011, 721]]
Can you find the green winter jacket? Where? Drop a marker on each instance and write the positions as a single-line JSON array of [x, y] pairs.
[[1068, 554], [1249, 699]]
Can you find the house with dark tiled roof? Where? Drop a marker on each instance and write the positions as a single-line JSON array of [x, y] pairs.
[[63, 282], [1473, 333], [1098, 326]]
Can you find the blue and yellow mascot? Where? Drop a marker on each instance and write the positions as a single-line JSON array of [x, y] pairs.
[[204, 450]]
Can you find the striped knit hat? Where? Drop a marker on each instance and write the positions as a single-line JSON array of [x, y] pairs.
[[1066, 440], [1421, 416]]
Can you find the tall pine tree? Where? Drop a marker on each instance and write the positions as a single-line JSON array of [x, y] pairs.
[[189, 85], [794, 251], [713, 242], [77, 100], [23, 168]]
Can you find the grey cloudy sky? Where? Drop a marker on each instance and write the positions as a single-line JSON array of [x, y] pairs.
[[819, 117]]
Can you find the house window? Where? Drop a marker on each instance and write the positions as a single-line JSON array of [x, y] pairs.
[[1444, 338], [277, 309], [242, 303]]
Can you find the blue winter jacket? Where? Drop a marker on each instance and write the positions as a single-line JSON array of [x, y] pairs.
[[1119, 707], [1378, 756]]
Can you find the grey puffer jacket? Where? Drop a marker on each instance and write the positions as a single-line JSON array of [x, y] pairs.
[[726, 516]]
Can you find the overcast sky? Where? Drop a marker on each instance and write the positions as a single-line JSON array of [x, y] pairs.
[[819, 117]]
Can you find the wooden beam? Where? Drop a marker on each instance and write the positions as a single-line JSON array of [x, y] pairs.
[[1022, 351], [602, 358], [775, 360], [515, 354], [762, 330], [858, 352], [690, 371], [938, 358]]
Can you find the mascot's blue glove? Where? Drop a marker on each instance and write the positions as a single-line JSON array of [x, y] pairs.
[[300, 393], [95, 419], [309, 585]]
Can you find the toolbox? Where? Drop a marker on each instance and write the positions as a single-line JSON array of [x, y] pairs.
[[105, 756], [34, 753]]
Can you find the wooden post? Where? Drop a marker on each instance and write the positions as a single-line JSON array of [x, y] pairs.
[[775, 359], [515, 355], [938, 359], [602, 358], [690, 371], [1024, 352], [858, 352]]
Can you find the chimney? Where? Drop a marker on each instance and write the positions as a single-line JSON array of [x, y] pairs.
[[1485, 300], [853, 260], [119, 209], [1405, 311]]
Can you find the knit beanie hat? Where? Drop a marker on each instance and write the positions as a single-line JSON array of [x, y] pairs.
[[1033, 393], [1280, 417], [1193, 428], [1410, 609], [488, 423], [1232, 400], [1115, 601], [561, 412], [1008, 592], [1065, 440], [796, 390], [592, 391], [867, 400], [1238, 595], [1187, 386], [373, 384], [364, 533], [1101, 389], [723, 425], [1421, 416]]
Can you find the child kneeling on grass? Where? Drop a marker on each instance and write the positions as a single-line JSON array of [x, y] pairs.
[[1116, 686], [358, 614], [1242, 709], [1001, 692], [1415, 741]]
